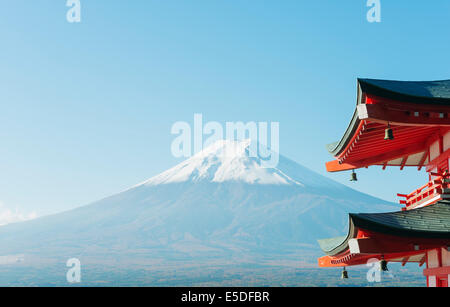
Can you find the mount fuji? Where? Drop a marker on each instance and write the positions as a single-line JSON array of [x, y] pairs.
[[212, 208]]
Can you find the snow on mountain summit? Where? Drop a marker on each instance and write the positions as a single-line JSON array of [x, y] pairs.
[[223, 161], [216, 207]]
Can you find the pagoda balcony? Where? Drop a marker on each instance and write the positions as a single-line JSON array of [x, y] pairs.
[[435, 190]]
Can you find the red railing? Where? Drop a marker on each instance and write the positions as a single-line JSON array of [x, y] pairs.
[[426, 193]]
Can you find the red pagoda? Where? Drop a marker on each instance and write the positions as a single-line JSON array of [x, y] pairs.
[[399, 124]]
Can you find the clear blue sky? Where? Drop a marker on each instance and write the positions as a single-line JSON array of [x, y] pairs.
[[86, 109]]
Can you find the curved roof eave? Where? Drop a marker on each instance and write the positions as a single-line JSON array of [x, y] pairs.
[[337, 147], [430, 222], [335, 246], [432, 92]]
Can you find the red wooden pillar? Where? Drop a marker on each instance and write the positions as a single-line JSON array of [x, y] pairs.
[[438, 267]]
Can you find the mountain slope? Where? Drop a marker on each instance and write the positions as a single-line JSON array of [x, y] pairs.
[[209, 207]]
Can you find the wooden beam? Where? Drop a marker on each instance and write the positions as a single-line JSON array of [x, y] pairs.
[[366, 148], [393, 155], [370, 149], [381, 114], [422, 160], [335, 166], [442, 157], [346, 260], [445, 271], [399, 131], [402, 165], [404, 105], [422, 261], [405, 261], [374, 246]]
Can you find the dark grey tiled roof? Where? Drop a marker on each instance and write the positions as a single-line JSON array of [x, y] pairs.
[[433, 221], [414, 91], [327, 245], [428, 222]]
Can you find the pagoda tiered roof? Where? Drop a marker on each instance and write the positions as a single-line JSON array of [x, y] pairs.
[[417, 113], [409, 232], [398, 123]]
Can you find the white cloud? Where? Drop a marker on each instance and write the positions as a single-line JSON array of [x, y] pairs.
[[8, 216]]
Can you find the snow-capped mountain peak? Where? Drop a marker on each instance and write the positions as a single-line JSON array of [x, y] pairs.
[[224, 161]]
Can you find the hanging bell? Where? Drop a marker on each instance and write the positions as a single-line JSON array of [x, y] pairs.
[[383, 266], [353, 176], [344, 274], [389, 133]]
